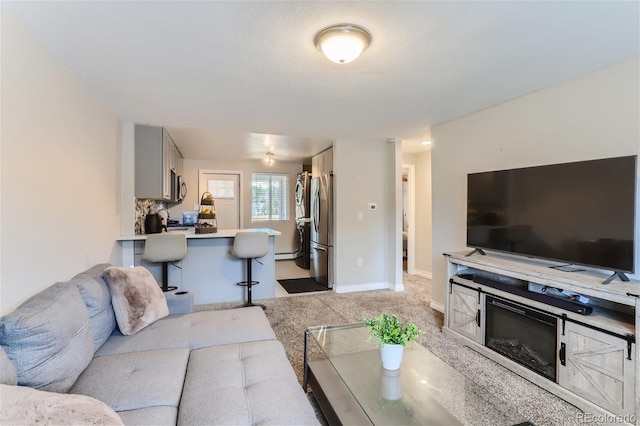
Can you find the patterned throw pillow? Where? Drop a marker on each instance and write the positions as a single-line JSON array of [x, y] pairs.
[[137, 298]]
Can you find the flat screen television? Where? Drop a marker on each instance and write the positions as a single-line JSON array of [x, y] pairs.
[[580, 213]]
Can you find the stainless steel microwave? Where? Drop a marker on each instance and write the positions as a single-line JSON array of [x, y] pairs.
[[178, 188]]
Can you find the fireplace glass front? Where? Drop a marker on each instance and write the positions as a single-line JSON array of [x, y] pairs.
[[522, 334]]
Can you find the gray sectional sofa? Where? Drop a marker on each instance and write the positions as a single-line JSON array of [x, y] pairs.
[[210, 367]]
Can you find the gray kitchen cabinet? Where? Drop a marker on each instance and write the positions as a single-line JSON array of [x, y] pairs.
[[316, 165], [156, 162], [465, 315], [322, 163], [599, 367]]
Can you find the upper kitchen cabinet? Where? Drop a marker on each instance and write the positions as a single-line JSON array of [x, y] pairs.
[[322, 163], [158, 164]]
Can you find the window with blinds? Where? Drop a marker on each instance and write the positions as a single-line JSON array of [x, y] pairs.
[[269, 197]]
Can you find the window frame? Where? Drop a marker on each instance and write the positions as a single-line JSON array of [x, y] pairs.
[[283, 201]]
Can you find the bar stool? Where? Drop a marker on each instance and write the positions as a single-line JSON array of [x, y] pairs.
[[165, 248], [250, 246]]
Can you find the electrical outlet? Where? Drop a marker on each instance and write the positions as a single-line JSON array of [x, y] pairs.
[[373, 206], [359, 262], [196, 206]]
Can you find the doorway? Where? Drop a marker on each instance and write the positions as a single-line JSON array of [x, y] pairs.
[[408, 218], [225, 188]]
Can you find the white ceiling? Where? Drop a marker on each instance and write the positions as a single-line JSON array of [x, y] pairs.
[[230, 78]]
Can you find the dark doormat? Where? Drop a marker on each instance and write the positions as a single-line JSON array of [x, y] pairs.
[[301, 285]]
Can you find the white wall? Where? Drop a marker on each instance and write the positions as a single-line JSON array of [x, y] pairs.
[[423, 214], [364, 172], [60, 205], [593, 116], [285, 243]]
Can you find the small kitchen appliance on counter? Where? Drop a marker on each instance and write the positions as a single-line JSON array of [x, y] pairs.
[[189, 218], [152, 223]]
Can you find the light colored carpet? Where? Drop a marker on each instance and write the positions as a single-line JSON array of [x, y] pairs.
[[290, 317]]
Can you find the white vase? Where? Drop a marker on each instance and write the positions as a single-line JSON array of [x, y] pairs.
[[391, 356]]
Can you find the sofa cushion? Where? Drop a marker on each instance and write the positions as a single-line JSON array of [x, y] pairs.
[[213, 328], [136, 298], [48, 338], [194, 331], [8, 373], [135, 380], [97, 299], [156, 416], [26, 406], [248, 383]]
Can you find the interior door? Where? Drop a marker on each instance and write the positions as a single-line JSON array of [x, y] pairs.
[[225, 188]]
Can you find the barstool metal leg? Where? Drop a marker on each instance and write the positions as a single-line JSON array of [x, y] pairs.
[[165, 278], [249, 284]]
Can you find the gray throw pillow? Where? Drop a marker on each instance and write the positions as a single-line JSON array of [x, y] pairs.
[[48, 338], [136, 297]]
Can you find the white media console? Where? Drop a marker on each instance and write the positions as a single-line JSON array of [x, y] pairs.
[[586, 353]]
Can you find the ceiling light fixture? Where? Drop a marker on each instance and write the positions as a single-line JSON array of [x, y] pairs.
[[342, 43], [269, 159]]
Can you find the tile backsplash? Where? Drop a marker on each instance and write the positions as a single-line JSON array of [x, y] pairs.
[[144, 206]]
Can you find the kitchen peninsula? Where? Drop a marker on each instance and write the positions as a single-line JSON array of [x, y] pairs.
[[209, 270]]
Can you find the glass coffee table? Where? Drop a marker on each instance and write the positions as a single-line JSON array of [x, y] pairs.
[[344, 371]]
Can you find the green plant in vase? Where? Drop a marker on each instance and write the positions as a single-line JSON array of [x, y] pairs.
[[392, 336]]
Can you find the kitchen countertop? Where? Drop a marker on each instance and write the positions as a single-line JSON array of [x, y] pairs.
[[191, 234]]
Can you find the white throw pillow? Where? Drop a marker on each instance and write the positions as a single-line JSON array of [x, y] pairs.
[[25, 406], [137, 298]]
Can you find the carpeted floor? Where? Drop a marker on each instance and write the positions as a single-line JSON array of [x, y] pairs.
[[290, 316]]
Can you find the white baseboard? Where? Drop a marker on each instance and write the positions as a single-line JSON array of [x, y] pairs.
[[285, 256], [423, 274], [361, 287], [437, 306], [396, 287]]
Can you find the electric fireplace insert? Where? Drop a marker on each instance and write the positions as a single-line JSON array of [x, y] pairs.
[[522, 334]]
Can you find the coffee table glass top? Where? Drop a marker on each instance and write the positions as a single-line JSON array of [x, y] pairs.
[[425, 390]]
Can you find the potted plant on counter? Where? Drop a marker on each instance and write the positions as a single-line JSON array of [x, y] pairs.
[[392, 336]]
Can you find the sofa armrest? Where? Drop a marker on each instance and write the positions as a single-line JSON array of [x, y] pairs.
[[179, 302]]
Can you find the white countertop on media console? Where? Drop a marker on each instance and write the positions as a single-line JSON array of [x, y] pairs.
[[191, 234]]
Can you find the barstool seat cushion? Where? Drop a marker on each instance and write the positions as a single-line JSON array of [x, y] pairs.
[[250, 244], [169, 247]]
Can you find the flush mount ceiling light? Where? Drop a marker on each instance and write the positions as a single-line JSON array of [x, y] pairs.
[[342, 43]]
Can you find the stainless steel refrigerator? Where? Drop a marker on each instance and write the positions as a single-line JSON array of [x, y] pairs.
[[321, 229]]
